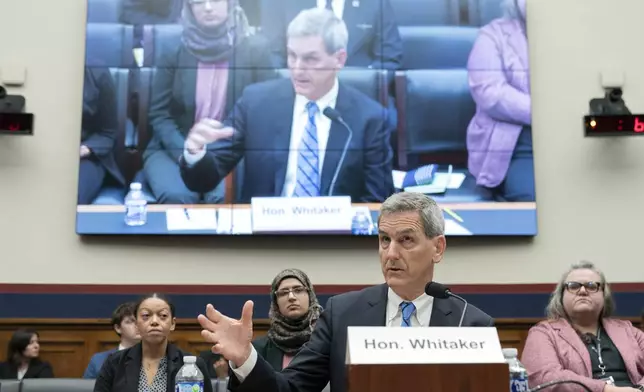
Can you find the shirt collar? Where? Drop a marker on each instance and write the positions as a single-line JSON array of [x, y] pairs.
[[328, 100], [423, 303]]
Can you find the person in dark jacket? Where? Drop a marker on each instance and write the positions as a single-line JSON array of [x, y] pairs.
[[98, 135], [152, 365], [22, 357], [293, 313], [197, 80]]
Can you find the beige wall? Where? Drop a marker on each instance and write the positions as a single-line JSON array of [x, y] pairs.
[[589, 191]]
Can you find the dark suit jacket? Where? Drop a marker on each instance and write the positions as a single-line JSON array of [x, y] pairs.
[[36, 369], [323, 358], [96, 362], [270, 352], [263, 118], [100, 121], [173, 106], [120, 372], [374, 40]]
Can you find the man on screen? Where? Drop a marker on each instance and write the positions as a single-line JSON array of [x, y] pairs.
[[289, 146], [412, 240]]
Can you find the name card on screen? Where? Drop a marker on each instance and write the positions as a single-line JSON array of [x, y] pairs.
[[331, 214], [431, 345]]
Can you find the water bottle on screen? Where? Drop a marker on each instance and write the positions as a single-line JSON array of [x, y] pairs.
[[518, 373], [136, 207], [189, 378], [360, 224]]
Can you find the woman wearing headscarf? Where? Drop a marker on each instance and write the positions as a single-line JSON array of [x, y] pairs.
[[499, 137], [293, 313], [196, 81], [581, 341]]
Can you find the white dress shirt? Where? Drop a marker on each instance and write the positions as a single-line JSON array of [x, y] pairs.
[[338, 6], [300, 120], [420, 317]]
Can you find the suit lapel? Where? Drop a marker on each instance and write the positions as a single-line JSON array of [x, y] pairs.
[[337, 138], [274, 356], [570, 336], [622, 340], [442, 314], [280, 119], [374, 313], [174, 364], [188, 70], [133, 362]]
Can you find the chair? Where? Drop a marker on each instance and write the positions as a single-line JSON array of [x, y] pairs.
[[57, 385], [104, 11], [434, 109], [9, 386], [124, 145], [109, 45], [155, 38], [482, 12], [426, 12], [437, 47]]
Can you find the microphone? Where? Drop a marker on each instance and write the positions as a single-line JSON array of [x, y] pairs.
[[437, 290], [334, 115], [551, 383]]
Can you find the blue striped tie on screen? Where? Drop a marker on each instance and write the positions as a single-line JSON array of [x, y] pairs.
[[308, 158], [408, 309]]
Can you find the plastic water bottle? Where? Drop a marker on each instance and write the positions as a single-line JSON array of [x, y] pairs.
[[189, 378], [518, 373], [136, 207], [360, 224]]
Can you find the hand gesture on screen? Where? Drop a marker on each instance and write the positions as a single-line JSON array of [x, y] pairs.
[[205, 132], [230, 338]]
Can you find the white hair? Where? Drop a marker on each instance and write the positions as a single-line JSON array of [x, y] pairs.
[[322, 23], [431, 215]]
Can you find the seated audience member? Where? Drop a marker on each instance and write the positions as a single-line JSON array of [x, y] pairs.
[[124, 325], [22, 358], [152, 364], [580, 341], [196, 84], [411, 242], [98, 135], [499, 137], [289, 146], [293, 312]]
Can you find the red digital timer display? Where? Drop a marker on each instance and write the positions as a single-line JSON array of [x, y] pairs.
[[628, 125], [16, 123]]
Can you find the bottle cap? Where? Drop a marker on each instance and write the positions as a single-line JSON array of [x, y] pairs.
[[189, 359], [510, 353]]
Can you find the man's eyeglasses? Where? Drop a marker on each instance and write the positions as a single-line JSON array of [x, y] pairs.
[[297, 291], [574, 287]]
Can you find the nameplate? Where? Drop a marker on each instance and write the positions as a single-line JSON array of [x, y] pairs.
[[301, 214], [419, 345]]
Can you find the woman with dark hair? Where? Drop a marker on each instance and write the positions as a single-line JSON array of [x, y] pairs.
[[580, 341], [22, 357], [293, 313], [152, 364], [196, 81]]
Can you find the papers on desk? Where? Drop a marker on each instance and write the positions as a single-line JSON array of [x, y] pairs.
[[191, 219], [442, 182]]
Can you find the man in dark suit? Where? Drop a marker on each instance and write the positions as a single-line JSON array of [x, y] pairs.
[[374, 40], [124, 325], [411, 236], [289, 146]]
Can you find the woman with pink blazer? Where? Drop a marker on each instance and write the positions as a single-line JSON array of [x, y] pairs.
[[580, 341]]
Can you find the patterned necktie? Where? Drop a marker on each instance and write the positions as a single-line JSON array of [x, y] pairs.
[[408, 309], [329, 5], [308, 159]]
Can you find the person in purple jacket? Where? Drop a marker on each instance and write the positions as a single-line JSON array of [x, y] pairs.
[[499, 137]]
